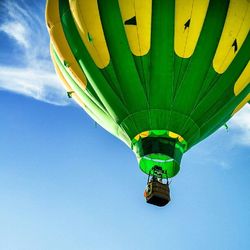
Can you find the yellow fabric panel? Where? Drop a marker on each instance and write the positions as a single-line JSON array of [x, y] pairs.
[[243, 102], [236, 26], [243, 80], [88, 23], [185, 38], [60, 43], [171, 134], [139, 35], [174, 135], [51, 10], [65, 83], [59, 73], [142, 135]]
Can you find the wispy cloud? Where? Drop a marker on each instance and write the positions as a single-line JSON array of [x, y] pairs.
[[215, 150], [240, 124], [37, 83], [16, 31], [32, 73]]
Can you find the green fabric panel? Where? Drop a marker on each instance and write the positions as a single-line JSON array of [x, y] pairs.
[[138, 122], [109, 99], [170, 167], [222, 90], [92, 109], [161, 54], [110, 76], [223, 115], [183, 125], [86, 100], [209, 82], [160, 149], [121, 56], [180, 68], [93, 96], [143, 65], [198, 67]]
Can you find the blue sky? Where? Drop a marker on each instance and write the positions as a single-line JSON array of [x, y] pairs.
[[67, 184]]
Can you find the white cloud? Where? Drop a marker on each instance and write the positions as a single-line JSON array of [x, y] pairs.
[[240, 123], [36, 83], [33, 75], [16, 31]]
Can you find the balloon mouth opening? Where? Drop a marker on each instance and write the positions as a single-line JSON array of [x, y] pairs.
[[161, 150], [168, 165]]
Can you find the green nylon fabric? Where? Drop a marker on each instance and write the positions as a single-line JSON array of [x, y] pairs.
[[168, 159], [94, 111], [160, 90]]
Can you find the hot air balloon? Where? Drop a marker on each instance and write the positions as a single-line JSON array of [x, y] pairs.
[[161, 75]]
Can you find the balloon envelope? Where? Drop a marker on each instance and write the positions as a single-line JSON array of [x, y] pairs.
[[160, 75]]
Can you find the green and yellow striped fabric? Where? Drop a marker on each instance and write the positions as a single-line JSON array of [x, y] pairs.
[[161, 75]]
